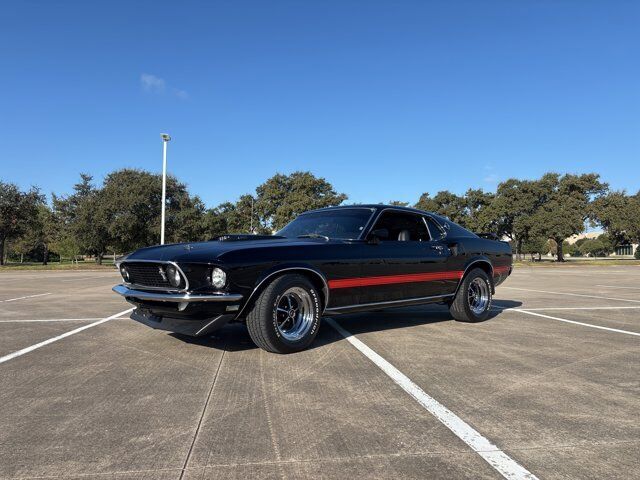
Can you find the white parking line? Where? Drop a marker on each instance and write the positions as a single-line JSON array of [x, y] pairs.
[[575, 308], [44, 275], [18, 320], [499, 460], [572, 294], [621, 288], [616, 330], [18, 353], [22, 298], [83, 278]]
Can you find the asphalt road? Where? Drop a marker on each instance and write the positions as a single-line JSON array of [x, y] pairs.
[[551, 383]]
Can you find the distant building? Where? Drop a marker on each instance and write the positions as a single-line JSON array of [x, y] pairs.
[[589, 235], [625, 250], [628, 249]]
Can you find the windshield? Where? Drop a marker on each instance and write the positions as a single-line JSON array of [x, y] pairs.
[[339, 223]]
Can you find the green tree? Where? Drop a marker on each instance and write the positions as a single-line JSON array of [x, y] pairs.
[[446, 204], [41, 233], [511, 210], [18, 247], [567, 206], [619, 215], [597, 247], [83, 219], [572, 249], [535, 246], [187, 220], [283, 197], [131, 201], [215, 221], [18, 211], [66, 246], [427, 203], [478, 215], [469, 210]]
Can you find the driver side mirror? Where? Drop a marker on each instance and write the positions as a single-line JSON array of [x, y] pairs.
[[378, 234]]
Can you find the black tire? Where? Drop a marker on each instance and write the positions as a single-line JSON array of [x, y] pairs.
[[467, 309], [265, 321]]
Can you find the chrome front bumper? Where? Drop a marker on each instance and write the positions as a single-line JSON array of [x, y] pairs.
[[176, 297]]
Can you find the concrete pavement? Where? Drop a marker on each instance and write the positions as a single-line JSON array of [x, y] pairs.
[[124, 401]]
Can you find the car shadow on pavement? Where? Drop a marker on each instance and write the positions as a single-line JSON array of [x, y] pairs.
[[409, 317], [235, 337]]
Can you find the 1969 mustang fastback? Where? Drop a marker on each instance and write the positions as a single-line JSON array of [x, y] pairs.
[[325, 262]]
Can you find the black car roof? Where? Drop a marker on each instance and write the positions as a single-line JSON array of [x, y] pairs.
[[456, 229], [377, 206]]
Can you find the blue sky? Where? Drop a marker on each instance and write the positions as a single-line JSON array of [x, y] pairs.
[[385, 99]]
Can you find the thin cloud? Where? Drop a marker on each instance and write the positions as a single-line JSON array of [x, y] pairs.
[[153, 84], [181, 94], [492, 178]]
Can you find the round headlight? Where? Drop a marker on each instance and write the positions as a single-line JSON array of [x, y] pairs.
[[173, 276], [124, 271], [218, 278]]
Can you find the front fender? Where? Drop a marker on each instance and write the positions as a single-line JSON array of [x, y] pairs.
[[263, 280]]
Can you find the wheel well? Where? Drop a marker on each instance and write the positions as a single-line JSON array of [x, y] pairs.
[[316, 280], [484, 265]]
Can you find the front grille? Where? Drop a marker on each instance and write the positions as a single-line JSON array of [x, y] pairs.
[[147, 274]]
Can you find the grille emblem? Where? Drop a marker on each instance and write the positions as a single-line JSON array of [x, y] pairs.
[[162, 273]]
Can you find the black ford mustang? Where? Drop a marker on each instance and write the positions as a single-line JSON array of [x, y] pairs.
[[325, 262]]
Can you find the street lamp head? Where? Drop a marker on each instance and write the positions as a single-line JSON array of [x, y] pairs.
[[165, 137]]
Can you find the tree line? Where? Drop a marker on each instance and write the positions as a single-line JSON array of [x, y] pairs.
[[530, 213], [123, 213]]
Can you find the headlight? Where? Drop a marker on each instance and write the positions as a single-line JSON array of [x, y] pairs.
[[173, 276], [124, 271], [218, 278]]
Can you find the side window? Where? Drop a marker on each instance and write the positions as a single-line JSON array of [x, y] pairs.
[[434, 229], [403, 227]]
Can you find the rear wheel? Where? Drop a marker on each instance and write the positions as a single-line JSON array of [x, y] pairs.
[[286, 315], [473, 300]]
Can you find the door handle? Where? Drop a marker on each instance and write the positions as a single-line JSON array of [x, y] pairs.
[[437, 248]]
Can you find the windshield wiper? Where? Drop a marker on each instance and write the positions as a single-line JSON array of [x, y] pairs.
[[314, 235]]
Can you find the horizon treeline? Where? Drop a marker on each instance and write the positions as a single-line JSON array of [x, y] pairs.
[[123, 213]]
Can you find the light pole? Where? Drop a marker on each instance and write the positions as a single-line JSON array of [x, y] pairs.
[[165, 139]]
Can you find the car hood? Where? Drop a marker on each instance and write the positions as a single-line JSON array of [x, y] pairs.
[[204, 252]]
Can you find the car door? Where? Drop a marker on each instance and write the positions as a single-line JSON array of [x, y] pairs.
[[403, 261]]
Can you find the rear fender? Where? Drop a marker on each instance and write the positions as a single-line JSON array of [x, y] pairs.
[[482, 262]]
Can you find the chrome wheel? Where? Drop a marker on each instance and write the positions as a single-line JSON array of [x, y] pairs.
[[294, 313], [478, 296]]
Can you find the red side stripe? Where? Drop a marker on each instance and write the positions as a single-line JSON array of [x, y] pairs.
[[391, 279], [501, 269]]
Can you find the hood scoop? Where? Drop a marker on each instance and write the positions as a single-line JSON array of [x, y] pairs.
[[243, 237]]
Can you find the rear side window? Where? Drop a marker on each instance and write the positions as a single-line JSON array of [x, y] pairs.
[[453, 229], [434, 229], [403, 226]]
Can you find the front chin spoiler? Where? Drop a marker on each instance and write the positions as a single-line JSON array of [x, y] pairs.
[[194, 328]]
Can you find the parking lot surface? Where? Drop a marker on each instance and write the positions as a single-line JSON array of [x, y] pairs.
[[551, 383]]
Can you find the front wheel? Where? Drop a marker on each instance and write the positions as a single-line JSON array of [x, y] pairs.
[[473, 300], [286, 315]]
